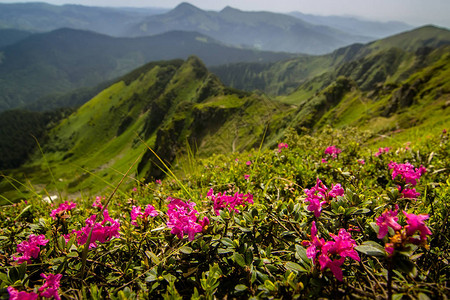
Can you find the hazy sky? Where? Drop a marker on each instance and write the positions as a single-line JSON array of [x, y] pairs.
[[414, 12]]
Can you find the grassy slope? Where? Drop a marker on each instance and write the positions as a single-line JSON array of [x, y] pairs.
[[92, 148], [292, 75], [388, 110]]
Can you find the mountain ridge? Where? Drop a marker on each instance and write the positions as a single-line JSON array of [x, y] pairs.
[[66, 59], [261, 30]]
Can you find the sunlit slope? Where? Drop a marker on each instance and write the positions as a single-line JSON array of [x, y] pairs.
[[392, 58], [163, 105], [419, 103]]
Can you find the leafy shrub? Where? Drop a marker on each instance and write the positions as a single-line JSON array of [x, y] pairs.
[[243, 226]]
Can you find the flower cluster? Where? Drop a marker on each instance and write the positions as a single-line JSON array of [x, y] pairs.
[[381, 151], [22, 295], [281, 146], [333, 151], [409, 176], [98, 203], [222, 201], [62, 209], [51, 285], [325, 253], [48, 290], [183, 219], [136, 212], [415, 232], [318, 195], [30, 249], [102, 232]]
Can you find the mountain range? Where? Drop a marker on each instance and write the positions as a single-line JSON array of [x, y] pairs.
[[397, 85], [391, 58], [66, 59], [260, 30]]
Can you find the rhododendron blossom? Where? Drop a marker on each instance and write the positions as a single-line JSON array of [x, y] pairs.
[[281, 146], [404, 236], [408, 193], [183, 219], [16, 295], [333, 151], [62, 209], [416, 224], [319, 195], [222, 201], [98, 203], [136, 212], [314, 245], [407, 172], [51, 285], [102, 231], [387, 219], [30, 249], [381, 151], [409, 175], [326, 253]]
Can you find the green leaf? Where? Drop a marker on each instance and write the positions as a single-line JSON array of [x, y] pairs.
[[371, 248], [186, 250], [153, 257], [301, 252], [240, 288], [223, 251], [295, 267], [227, 242], [239, 259], [72, 254], [270, 286], [397, 296]]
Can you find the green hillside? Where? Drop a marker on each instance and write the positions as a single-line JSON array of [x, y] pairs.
[[161, 105], [67, 59], [401, 54], [180, 110]]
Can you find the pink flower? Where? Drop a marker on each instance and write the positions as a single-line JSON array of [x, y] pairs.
[[407, 172], [327, 252], [135, 189], [16, 295], [319, 195], [158, 181], [62, 209], [361, 161], [387, 219], [381, 151], [409, 193], [246, 176], [51, 285], [314, 245], [183, 219], [281, 146], [98, 203], [248, 163], [416, 224], [222, 201], [102, 232], [30, 249], [333, 151], [136, 212], [324, 161]]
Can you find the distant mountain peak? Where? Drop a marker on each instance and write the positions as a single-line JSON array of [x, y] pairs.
[[186, 6], [228, 9]]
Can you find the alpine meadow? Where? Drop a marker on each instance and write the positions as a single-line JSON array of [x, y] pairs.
[[153, 153]]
